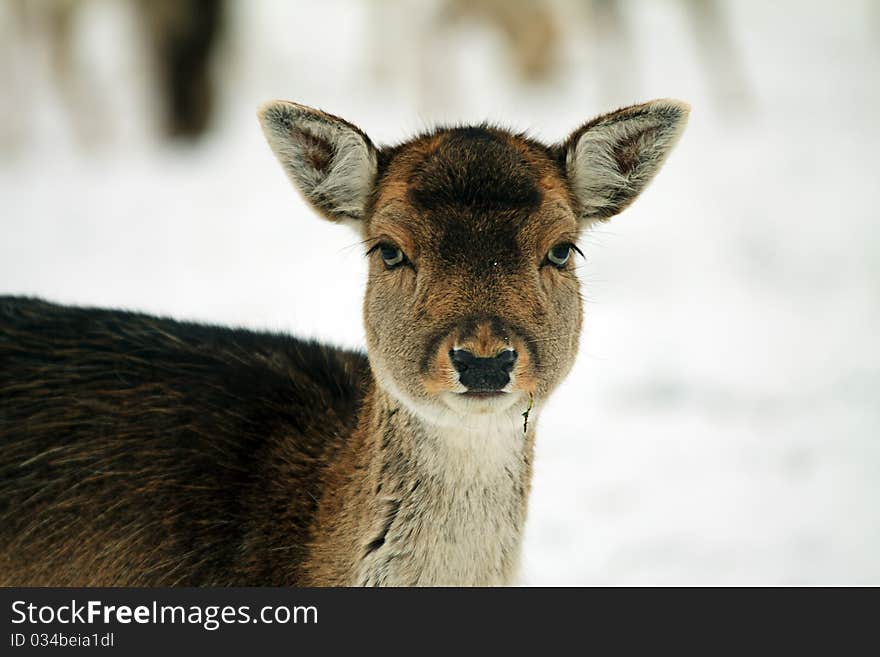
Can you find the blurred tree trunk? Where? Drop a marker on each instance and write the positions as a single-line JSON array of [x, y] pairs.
[[183, 36]]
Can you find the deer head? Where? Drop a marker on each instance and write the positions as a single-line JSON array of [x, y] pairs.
[[472, 305]]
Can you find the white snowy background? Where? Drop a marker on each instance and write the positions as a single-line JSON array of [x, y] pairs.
[[722, 423]]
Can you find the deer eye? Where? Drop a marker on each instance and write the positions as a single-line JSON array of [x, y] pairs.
[[559, 254], [391, 255]]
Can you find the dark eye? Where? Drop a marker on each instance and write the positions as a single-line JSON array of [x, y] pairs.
[[559, 254], [391, 255]]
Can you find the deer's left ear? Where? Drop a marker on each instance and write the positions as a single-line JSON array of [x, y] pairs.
[[328, 159], [610, 160]]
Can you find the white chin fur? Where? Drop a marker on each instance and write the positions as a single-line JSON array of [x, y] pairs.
[[469, 406]]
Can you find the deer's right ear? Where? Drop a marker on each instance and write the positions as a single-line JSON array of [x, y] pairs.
[[329, 160]]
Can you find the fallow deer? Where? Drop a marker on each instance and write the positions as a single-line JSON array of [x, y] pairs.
[[144, 451]]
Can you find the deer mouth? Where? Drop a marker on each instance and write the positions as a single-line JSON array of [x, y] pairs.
[[484, 394], [481, 402]]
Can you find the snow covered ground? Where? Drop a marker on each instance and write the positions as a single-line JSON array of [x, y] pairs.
[[722, 424]]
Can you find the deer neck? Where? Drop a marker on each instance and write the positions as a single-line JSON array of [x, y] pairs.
[[435, 505]]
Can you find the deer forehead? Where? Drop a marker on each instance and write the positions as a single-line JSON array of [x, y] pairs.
[[472, 194]]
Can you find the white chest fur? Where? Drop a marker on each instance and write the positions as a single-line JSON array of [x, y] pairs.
[[459, 520]]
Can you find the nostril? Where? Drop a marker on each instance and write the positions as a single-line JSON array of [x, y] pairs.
[[506, 360], [461, 359]]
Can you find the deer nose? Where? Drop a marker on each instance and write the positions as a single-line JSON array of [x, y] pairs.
[[483, 374]]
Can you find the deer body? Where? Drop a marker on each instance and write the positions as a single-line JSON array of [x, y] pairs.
[[144, 451], [114, 471]]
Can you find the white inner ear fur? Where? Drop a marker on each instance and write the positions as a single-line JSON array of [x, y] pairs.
[[340, 189], [602, 187]]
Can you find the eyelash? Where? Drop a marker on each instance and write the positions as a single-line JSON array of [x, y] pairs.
[[570, 245], [381, 245]]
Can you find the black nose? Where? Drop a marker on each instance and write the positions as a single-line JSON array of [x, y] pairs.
[[483, 374]]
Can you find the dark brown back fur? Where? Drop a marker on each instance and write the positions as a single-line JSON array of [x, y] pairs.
[[140, 450]]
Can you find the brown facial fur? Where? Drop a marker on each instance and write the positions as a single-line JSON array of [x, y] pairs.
[[475, 210]]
